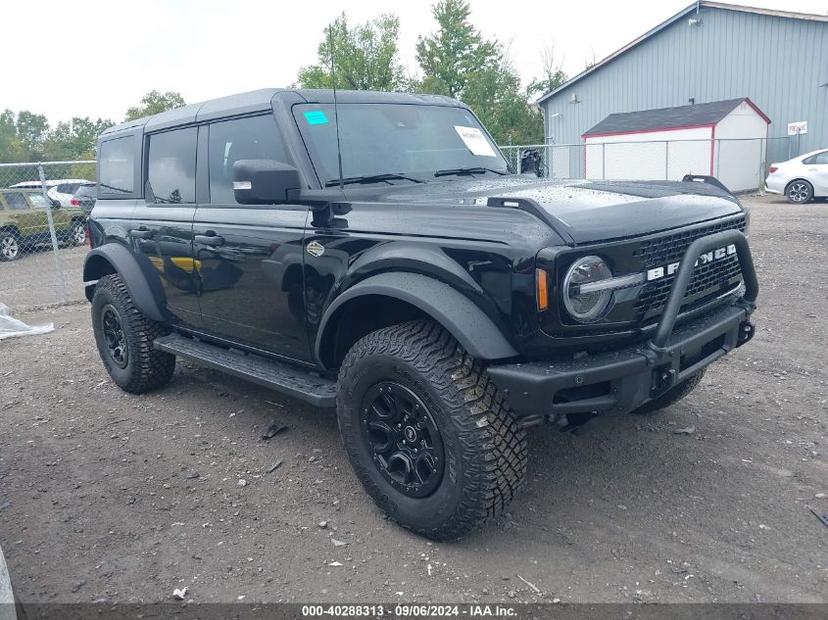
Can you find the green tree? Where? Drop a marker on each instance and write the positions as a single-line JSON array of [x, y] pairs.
[[496, 97], [365, 56], [452, 56], [32, 131], [552, 75], [75, 139], [11, 147], [155, 102], [457, 61]]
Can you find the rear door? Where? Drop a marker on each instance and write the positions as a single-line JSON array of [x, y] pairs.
[[249, 257], [163, 225], [60, 216]]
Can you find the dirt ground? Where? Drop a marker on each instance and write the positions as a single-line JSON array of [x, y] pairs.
[[108, 496], [36, 279]]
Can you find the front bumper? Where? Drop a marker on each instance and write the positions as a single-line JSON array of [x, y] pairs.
[[623, 380]]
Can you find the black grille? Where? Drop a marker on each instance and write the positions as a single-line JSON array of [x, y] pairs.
[[709, 279]]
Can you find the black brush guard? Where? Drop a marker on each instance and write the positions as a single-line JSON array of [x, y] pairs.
[[623, 380]]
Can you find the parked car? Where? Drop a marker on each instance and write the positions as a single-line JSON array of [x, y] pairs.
[[800, 179], [84, 197], [24, 223], [59, 190], [440, 302]]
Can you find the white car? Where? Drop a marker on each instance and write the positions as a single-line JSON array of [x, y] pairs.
[[59, 190], [800, 179]]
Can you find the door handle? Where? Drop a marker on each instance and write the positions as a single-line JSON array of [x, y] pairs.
[[213, 240], [141, 233]]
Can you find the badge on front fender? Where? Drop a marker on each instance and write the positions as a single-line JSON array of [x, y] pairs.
[[314, 248]]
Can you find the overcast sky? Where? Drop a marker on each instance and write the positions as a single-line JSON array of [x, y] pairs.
[[96, 58]]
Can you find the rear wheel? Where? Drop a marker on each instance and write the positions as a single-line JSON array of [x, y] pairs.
[[124, 337], [671, 396], [428, 435], [799, 192], [9, 246]]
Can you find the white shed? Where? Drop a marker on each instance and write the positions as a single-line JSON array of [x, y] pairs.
[[725, 139]]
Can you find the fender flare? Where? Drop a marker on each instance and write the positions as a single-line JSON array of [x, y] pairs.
[[141, 280], [458, 314]]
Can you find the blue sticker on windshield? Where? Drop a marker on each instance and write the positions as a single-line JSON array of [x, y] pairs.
[[316, 117]]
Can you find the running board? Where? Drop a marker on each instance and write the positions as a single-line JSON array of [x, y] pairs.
[[287, 379]]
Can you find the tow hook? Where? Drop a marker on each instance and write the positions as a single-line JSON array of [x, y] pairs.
[[746, 332], [663, 379]]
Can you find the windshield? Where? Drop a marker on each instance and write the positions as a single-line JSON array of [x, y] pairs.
[[412, 140]]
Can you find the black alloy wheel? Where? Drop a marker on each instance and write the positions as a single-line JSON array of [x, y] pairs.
[[116, 341], [403, 438]]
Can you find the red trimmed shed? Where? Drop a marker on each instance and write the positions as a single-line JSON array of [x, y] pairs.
[[726, 139]]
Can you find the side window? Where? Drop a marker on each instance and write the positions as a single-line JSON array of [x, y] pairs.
[[172, 166], [38, 201], [16, 200], [255, 137], [821, 158], [116, 166]]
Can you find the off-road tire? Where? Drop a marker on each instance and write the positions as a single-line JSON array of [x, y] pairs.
[[13, 237], [485, 448], [146, 368], [671, 396]]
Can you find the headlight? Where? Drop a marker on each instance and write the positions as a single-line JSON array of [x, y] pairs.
[[586, 306]]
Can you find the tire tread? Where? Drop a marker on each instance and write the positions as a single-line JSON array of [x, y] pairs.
[[494, 446], [151, 368]]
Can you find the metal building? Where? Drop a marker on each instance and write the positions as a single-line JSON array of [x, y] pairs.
[[708, 52]]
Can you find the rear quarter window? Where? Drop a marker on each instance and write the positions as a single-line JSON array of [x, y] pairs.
[[116, 166]]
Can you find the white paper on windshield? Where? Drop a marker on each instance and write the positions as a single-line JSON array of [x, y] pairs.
[[475, 141]]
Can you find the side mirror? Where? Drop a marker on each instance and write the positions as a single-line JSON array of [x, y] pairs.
[[263, 181]]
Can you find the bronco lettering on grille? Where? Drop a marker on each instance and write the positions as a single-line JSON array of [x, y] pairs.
[[657, 273]]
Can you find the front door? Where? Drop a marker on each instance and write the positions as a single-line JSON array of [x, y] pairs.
[[249, 257]]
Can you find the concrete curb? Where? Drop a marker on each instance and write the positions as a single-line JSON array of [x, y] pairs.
[[7, 609]]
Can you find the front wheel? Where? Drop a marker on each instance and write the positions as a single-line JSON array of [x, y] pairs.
[[799, 192], [428, 435]]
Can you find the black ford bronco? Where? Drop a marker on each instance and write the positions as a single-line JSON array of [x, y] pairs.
[[374, 252]]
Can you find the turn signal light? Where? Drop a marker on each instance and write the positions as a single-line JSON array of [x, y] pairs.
[[542, 290], [773, 169]]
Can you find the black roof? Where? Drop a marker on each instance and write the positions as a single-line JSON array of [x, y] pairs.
[[669, 118], [260, 100]]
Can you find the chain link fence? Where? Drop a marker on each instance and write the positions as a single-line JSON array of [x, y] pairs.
[[43, 237], [44, 206], [741, 164]]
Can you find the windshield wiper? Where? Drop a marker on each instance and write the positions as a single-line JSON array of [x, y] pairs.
[[373, 178], [466, 171]]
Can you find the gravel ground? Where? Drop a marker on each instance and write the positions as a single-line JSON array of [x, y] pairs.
[[34, 280], [133, 496]]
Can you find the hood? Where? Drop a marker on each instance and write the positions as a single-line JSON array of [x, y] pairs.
[[580, 211]]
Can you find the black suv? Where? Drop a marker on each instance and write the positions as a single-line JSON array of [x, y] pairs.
[[374, 252]]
